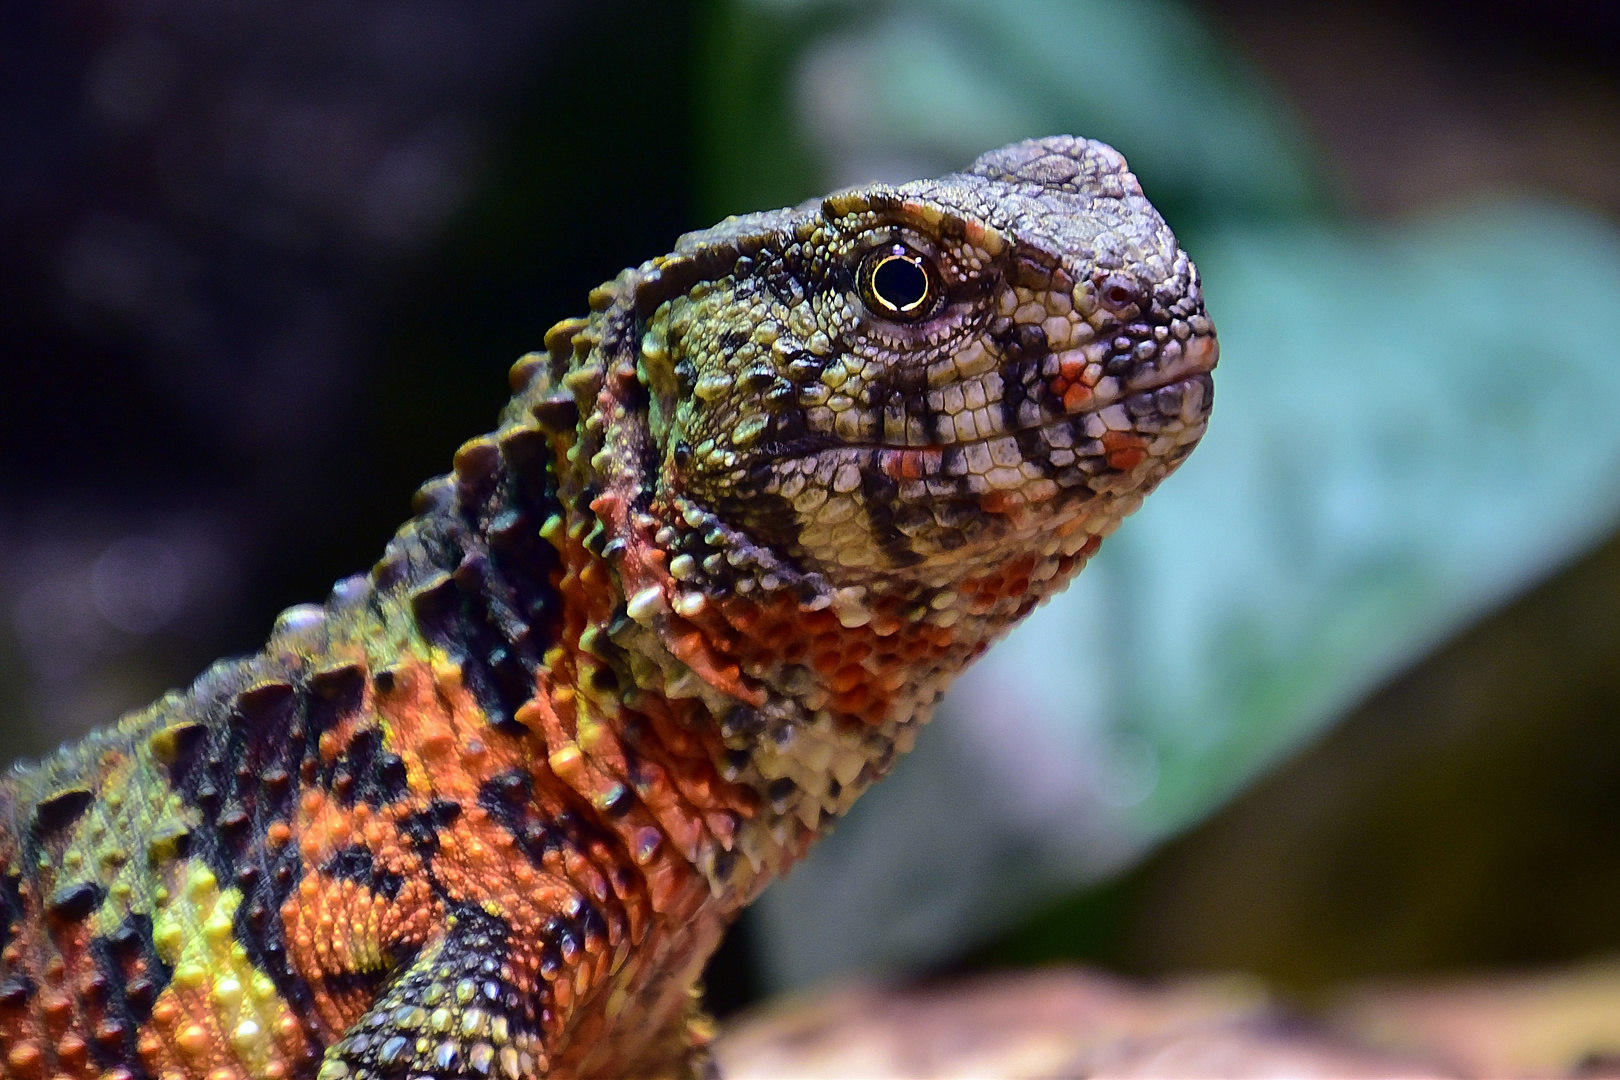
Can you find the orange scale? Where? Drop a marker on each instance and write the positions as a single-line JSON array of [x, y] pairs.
[[826, 638], [744, 616], [853, 700], [723, 827], [583, 873], [149, 1047], [592, 576], [675, 821], [381, 836], [886, 624], [995, 502], [892, 680], [888, 658], [58, 1011], [857, 650], [665, 881], [73, 1051], [847, 678], [818, 622], [826, 661], [330, 745], [26, 1060], [338, 832], [1128, 459], [289, 1035], [676, 739]]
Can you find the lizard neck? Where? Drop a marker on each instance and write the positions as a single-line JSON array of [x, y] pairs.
[[789, 688]]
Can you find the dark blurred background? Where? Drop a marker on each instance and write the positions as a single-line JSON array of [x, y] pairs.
[[262, 267]]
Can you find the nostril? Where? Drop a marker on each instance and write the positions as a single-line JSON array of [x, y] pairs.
[[1119, 293]]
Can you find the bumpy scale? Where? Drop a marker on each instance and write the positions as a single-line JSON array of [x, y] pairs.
[[486, 811]]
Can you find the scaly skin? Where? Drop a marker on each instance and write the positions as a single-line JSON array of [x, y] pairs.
[[487, 811]]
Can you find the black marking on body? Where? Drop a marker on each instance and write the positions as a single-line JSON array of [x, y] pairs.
[[127, 998], [356, 863], [771, 523], [62, 809], [15, 990], [74, 902], [261, 745], [509, 799], [366, 983], [779, 279], [366, 772], [880, 500], [481, 579], [1016, 377], [421, 828], [12, 909]]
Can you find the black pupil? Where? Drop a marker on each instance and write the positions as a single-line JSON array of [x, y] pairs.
[[900, 282]]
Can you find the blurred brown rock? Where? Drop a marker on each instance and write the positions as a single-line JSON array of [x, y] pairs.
[[1058, 1022], [1555, 1023]]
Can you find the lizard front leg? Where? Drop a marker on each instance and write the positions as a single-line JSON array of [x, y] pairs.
[[465, 1007], [458, 1009]]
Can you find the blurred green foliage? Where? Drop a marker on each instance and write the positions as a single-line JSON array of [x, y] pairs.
[[1466, 815], [929, 84], [1380, 393]]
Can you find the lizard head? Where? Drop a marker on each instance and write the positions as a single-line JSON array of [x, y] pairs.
[[914, 383], [830, 452]]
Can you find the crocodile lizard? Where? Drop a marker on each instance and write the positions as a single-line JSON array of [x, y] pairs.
[[487, 810]]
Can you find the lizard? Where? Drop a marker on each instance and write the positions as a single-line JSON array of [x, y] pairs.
[[487, 810]]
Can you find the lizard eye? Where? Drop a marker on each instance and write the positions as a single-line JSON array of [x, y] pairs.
[[898, 283]]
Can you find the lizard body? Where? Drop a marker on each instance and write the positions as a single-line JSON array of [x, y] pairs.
[[487, 810]]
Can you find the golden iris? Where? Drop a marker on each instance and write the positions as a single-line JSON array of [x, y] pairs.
[[897, 282]]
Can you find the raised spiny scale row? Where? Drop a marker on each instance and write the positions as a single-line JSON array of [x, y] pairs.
[[687, 531], [73, 985], [127, 968], [456, 608], [232, 783], [712, 560], [477, 569]]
